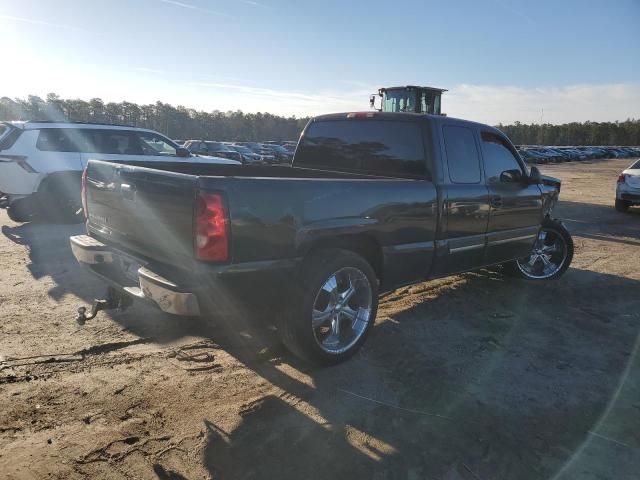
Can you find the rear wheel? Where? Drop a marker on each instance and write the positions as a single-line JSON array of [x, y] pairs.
[[622, 205], [59, 199], [22, 210], [550, 256], [335, 306]]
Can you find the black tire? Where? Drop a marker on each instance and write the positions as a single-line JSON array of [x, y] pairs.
[[296, 330], [555, 227], [59, 199], [23, 210], [622, 205]]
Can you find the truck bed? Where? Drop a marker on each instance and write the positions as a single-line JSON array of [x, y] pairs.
[[275, 213]]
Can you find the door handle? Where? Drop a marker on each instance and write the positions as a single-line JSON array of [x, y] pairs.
[[495, 201]]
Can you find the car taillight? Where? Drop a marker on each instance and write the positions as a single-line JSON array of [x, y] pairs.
[[621, 178], [211, 228], [84, 194]]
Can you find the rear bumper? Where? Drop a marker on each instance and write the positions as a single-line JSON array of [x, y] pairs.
[[630, 194], [112, 266]]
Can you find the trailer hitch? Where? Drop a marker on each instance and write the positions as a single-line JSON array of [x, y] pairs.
[[114, 300]]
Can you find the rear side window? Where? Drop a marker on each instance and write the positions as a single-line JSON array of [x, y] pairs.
[[59, 140], [635, 165], [376, 147], [462, 154], [8, 136], [113, 142]]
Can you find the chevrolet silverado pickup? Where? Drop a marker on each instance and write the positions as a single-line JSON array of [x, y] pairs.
[[371, 202]]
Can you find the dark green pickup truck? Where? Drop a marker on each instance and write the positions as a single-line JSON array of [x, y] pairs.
[[372, 201]]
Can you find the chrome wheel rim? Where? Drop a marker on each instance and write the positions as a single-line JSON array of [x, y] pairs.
[[547, 257], [341, 310]]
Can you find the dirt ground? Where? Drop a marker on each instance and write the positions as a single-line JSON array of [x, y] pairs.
[[477, 376]]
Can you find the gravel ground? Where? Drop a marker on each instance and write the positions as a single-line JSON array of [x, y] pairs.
[[477, 376]]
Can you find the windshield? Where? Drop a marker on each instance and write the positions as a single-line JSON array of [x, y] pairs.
[[217, 147]]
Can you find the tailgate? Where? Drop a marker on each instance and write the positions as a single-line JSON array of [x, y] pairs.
[[141, 209]]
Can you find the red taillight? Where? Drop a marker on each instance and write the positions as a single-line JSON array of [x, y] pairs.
[[84, 194], [621, 178], [211, 228]]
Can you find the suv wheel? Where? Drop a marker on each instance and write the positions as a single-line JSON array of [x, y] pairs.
[[622, 205], [22, 210], [335, 306]]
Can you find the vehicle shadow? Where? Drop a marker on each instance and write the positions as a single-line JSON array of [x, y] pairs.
[[600, 222], [475, 376], [50, 256]]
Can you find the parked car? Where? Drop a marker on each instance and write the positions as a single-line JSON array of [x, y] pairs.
[[41, 162], [628, 187], [281, 154], [362, 210], [249, 157], [267, 155], [532, 156], [216, 149]]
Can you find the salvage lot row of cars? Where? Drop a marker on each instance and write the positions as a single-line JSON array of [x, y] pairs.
[[537, 154], [248, 153]]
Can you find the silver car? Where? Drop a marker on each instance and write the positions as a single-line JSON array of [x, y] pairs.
[[628, 188]]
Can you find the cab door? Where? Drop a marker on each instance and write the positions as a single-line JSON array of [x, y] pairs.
[[516, 211], [462, 237]]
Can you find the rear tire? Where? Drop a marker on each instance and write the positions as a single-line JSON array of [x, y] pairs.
[[23, 210], [59, 199], [622, 205], [550, 257], [334, 306]]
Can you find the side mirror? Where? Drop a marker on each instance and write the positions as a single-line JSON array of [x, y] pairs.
[[372, 101], [182, 152], [535, 177], [511, 176]]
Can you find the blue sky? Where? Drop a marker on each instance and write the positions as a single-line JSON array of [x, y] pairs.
[[501, 60]]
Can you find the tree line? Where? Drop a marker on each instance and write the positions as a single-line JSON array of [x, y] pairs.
[[175, 122], [575, 133], [184, 123]]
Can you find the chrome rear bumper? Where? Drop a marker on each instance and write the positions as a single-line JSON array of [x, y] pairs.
[[111, 265]]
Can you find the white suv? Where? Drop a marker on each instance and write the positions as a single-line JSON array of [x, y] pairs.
[[41, 163]]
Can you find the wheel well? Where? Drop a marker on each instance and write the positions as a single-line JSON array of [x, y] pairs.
[[364, 245], [61, 184]]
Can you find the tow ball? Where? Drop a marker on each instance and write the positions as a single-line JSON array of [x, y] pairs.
[[114, 300]]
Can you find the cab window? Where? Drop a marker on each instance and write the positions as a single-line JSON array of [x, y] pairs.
[[462, 154], [498, 156]]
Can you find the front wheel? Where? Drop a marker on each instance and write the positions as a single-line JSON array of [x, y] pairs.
[[550, 256], [334, 307]]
